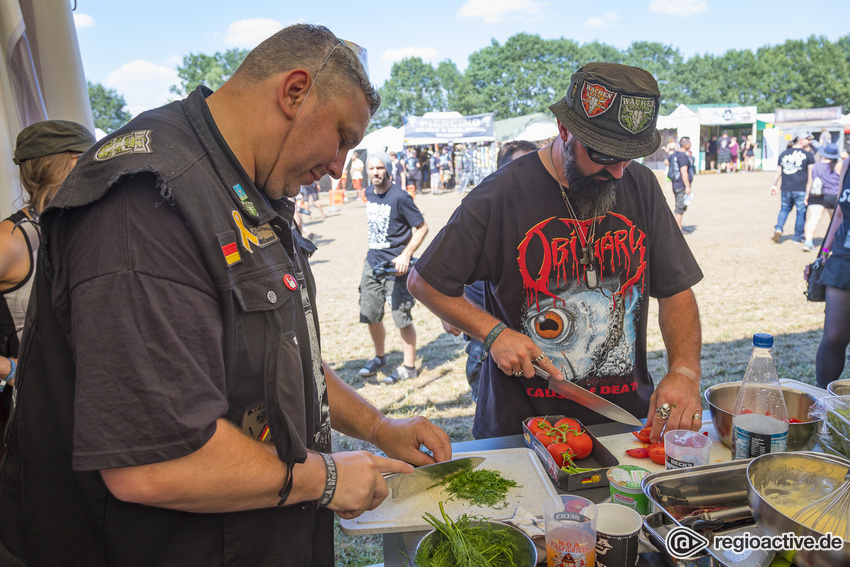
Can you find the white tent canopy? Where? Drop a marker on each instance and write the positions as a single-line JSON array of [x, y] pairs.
[[383, 140], [41, 77]]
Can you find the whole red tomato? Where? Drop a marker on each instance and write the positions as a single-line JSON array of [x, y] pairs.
[[557, 450], [643, 434], [544, 438], [581, 445], [567, 424], [656, 452], [538, 423]]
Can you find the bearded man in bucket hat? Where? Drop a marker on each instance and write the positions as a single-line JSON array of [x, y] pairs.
[[571, 241]]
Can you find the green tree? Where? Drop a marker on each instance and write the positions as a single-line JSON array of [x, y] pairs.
[[663, 62], [107, 107], [209, 70], [412, 89]]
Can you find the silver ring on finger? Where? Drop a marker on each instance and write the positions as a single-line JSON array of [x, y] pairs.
[[539, 358], [697, 417], [663, 411], [518, 373]]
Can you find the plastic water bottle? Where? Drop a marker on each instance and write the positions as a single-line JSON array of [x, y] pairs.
[[760, 418]]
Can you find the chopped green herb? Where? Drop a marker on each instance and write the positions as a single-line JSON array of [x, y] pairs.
[[460, 544], [479, 487]]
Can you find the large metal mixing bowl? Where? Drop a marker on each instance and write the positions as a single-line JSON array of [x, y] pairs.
[[783, 478], [524, 556], [801, 436], [839, 387]]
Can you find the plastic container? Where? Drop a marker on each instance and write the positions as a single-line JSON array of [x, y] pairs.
[[624, 482], [760, 418]]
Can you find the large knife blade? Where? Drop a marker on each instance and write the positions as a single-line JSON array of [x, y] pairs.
[[405, 484], [588, 399]]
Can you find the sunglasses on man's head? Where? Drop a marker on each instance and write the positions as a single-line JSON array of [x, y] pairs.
[[599, 157]]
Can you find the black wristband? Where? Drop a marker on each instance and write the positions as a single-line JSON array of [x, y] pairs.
[[330, 481], [287, 485], [491, 336]]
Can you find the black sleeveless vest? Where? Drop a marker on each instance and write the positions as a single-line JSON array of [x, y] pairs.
[[52, 515]]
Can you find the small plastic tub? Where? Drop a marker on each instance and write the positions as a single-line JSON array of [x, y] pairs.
[[624, 481]]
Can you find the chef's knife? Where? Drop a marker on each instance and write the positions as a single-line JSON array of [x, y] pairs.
[[405, 484], [588, 399]]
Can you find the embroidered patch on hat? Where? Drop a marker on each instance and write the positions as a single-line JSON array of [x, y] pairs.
[[595, 99], [227, 241], [138, 142], [249, 206], [290, 282], [636, 113]]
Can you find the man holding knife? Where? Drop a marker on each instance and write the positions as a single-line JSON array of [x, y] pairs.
[[574, 239]]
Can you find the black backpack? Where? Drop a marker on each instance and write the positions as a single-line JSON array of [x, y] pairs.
[[673, 170]]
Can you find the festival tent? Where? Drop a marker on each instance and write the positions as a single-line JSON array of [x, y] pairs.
[[382, 140], [41, 77], [531, 127]]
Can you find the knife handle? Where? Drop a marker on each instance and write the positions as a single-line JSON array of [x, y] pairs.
[[538, 371]]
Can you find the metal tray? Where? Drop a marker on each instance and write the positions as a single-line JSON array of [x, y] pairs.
[[677, 493]]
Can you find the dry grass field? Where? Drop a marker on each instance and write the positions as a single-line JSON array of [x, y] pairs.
[[751, 285]]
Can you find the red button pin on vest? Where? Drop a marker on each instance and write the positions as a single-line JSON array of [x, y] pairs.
[[290, 282]]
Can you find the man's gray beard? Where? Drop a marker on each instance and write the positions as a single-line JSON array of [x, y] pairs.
[[589, 197]]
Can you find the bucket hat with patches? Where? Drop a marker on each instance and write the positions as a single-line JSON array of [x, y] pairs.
[[612, 109]]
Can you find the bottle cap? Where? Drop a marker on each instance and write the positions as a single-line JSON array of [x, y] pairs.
[[763, 340]]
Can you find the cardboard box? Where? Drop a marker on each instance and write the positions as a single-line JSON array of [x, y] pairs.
[[600, 460]]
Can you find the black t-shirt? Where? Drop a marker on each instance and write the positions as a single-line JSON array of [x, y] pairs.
[[795, 164], [682, 160], [515, 232], [390, 217]]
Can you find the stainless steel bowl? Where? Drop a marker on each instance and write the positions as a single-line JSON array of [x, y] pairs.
[[839, 387], [780, 477], [801, 436], [525, 554]]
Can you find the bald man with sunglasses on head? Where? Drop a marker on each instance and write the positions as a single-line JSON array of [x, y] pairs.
[[573, 240]]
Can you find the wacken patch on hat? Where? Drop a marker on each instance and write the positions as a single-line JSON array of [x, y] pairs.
[[595, 99], [138, 142], [636, 113]]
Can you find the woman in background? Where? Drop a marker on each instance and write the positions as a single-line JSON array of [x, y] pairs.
[[45, 153], [823, 193], [836, 277]]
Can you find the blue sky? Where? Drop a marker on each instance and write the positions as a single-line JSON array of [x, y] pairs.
[[135, 48]]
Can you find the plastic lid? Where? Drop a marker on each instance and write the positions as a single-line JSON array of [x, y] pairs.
[[763, 340]]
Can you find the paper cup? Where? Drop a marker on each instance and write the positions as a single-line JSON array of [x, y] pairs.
[[617, 533]]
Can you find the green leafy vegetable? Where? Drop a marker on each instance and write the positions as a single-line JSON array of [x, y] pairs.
[[479, 487], [460, 544]]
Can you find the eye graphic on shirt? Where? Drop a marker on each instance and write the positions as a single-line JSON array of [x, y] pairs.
[[554, 324]]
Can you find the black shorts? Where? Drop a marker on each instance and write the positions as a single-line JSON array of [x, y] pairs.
[[374, 293]]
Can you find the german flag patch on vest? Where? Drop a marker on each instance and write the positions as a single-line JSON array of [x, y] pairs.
[[229, 248]]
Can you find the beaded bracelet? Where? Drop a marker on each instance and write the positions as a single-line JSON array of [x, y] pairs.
[[491, 336], [330, 481]]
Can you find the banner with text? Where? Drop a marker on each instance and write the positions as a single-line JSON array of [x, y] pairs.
[[427, 130]]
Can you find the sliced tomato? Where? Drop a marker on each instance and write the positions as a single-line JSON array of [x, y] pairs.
[[639, 453], [538, 423], [558, 450], [643, 434], [656, 452], [544, 438], [581, 445]]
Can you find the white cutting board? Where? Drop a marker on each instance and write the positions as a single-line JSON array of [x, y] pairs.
[[618, 444], [405, 515]]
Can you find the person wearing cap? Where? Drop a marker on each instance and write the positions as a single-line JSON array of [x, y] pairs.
[[794, 176], [173, 407], [823, 194], [45, 152], [396, 230], [572, 241]]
